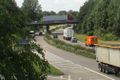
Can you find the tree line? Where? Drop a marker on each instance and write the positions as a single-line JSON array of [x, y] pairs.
[[101, 18]]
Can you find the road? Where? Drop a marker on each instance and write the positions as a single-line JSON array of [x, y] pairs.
[[78, 67], [60, 36]]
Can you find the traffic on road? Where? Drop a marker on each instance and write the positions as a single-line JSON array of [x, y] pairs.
[[77, 67]]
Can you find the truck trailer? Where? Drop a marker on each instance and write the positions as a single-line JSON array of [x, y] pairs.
[[68, 33], [108, 58]]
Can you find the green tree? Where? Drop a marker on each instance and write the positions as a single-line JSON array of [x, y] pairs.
[[84, 13], [101, 18], [74, 14], [48, 13], [62, 12], [18, 61], [32, 9]]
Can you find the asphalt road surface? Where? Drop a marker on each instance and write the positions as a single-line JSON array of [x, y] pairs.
[[75, 66]]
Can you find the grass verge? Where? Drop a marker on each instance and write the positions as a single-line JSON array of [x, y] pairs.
[[53, 28], [54, 71], [51, 70], [77, 49], [80, 37]]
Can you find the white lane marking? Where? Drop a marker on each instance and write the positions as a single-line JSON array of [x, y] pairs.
[[61, 77], [98, 73], [69, 77], [84, 67]]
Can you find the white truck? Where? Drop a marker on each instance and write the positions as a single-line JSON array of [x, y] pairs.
[[108, 58], [68, 33]]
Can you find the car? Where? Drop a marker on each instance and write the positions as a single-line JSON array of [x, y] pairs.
[[36, 34], [40, 33], [55, 36], [73, 39], [31, 32]]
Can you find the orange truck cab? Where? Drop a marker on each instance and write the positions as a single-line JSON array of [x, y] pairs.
[[91, 40]]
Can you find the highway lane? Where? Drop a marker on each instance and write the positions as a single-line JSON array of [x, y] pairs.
[[60, 36], [75, 59], [76, 71]]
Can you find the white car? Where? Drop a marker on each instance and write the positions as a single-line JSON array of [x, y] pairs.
[[36, 34]]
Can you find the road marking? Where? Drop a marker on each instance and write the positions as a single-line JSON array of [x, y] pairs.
[[98, 73], [69, 77], [80, 66]]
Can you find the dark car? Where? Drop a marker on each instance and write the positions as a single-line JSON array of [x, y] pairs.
[[40, 33], [55, 36], [73, 39]]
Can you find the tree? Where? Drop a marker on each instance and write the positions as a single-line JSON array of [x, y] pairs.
[[32, 9], [62, 12], [83, 15], [74, 14], [48, 13], [101, 18], [18, 61]]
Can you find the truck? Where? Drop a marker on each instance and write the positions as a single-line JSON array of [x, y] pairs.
[[57, 18], [68, 33], [108, 58], [91, 40]]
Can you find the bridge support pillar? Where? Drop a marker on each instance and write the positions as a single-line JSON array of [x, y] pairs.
[[47, 28]]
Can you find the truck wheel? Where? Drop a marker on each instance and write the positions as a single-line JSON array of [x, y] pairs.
[[103, 68], [100, 69], [116, 72], [100, 66], [91, 45], [106, 71]]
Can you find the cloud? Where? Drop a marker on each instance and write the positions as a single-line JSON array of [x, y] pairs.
[[19, 2], [57, 5]]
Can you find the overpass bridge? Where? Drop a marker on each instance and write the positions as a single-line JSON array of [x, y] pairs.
[[54, 20]]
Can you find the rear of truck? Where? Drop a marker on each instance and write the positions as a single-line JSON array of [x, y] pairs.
[[68, 33], [108, 58]]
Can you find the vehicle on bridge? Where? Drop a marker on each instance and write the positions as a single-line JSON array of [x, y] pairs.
[[68, 33], [57, 18], [108, 58]]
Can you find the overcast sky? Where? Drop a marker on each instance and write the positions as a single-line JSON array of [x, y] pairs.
[[57, 5]]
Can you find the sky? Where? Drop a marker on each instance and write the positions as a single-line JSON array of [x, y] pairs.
[[58, 5]]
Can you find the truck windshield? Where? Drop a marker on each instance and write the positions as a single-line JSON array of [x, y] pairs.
[[94, 39]]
